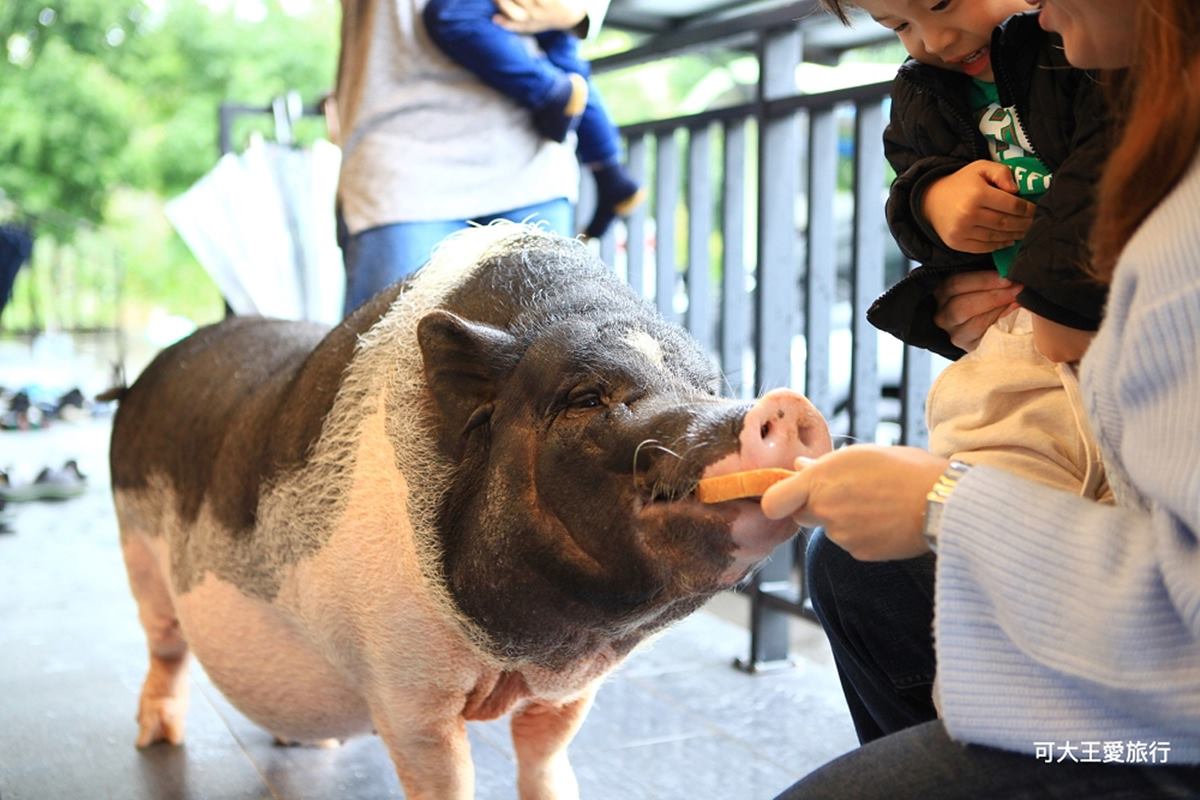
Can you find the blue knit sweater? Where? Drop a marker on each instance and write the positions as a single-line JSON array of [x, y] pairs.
[[1064, 621]]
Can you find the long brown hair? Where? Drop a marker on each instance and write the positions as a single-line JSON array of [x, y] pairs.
[[1159, 103]]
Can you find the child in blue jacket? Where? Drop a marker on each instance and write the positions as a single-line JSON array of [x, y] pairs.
[[553, 83]]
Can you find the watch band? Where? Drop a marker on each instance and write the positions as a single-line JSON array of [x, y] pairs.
[[935, 501]]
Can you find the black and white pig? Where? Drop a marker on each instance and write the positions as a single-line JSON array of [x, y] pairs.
[[472, 497]]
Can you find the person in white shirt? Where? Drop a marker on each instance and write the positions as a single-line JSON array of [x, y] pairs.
[[427, 148]]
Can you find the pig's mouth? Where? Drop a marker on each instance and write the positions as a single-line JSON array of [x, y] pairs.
[[679, 497], [730, 537], [673, 486], [659, 494]]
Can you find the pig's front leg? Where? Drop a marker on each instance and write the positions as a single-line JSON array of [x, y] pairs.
[[428, 745], [541, 733]]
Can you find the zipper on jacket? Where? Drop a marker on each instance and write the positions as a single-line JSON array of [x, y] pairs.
[[1006, 91]]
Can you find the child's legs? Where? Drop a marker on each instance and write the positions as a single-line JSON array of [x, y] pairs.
[[1004, 405], [599, 139], [464, 31]]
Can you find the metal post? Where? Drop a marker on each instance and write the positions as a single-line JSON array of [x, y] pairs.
[[867, 278], [666, 198], [700, 227], [820, 273], [914, 386], [635, 227], [775, 307], [733, 250]]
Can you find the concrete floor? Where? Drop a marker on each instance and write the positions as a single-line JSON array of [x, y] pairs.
[[675, 721]]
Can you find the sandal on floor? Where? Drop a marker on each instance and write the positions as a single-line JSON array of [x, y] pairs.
[[50, 484]]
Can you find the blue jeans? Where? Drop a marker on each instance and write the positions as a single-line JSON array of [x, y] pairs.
[[463, 30], [378, 257], [879, 620], [924, 763]]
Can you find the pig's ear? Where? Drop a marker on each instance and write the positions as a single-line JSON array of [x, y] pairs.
[[463, 362]]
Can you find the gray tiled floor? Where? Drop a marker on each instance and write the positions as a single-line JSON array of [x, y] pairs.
[[676, 721]]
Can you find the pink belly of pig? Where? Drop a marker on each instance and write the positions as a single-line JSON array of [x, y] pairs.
[[265, 668], [781, 427]]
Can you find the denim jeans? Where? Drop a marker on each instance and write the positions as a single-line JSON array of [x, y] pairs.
[[879, 620], [924, 763], [378, 257], [463, 29]]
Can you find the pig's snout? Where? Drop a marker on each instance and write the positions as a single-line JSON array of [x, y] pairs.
[[782, 426], [778, 429]]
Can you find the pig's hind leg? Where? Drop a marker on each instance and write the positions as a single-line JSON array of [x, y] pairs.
[[164, 701]]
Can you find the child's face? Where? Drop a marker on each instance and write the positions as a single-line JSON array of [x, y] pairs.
[[950, 34]]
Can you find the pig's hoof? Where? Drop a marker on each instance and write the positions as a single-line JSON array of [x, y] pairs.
[[160, 719], [323, 744]]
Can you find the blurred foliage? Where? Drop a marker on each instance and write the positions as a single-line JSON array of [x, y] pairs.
[[683, 83], [109, 108], [113, 93]]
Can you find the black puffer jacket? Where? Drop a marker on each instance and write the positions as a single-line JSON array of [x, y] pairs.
[[932, 134]]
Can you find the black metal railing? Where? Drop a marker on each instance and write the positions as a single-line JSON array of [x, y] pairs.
[[788, 257]]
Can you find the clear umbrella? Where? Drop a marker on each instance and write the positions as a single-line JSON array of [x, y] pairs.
[[261, 224]]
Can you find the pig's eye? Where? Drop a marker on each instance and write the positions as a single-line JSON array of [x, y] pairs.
[[584, 399]]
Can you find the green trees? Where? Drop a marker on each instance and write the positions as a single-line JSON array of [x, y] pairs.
[[108, 107], [65, 113]]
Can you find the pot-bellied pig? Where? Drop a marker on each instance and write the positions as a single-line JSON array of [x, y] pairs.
[[472, 497]]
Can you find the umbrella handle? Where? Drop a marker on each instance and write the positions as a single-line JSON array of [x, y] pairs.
[[286, 109]]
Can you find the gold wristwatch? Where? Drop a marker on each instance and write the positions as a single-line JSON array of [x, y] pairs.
[[935, 501]]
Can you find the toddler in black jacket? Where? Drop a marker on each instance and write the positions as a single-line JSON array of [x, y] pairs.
[[997, 143]]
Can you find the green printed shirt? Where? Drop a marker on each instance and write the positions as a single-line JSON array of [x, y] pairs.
[[1008, 145]]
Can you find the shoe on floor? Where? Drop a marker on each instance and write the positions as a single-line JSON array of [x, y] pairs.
[[71, 406], [21, 414], [50, 484]]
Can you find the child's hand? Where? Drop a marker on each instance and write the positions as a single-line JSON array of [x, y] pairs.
[[538, 16], [869, 499], [969, 302], [976, 210]]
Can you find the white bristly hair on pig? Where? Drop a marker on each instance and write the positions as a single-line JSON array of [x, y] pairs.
[[387, 366]]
